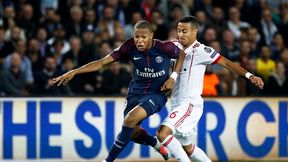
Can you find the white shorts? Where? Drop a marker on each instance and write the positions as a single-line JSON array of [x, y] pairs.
[[183, 121]]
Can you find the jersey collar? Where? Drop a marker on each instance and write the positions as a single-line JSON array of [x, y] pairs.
[[192, 46]]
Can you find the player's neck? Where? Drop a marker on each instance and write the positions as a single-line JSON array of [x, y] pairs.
[[149, 45], [189, 44]]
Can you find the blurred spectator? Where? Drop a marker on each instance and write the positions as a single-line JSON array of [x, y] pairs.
[[204, 5], [175, 14], [201, 16], [50, 21], [90, 5], [45, 4], [15, 34], [33, 53], [229, 46], [88, 45], [172, 34], [72, 3], [274, 5], [119, 13], [267, 27], [209, 35], [73, 26], [211, 83], [119, 35], [26, 20], [265, 65], [89, 20], [245, 10], [129, 7], [236, 85], [25, 65], [217, 21], [75, 54], [283, 22], [277, 83], [108, 23], [277, 46], [9, 17], [14, 79], [41, 36], [128, 28], [284, 59], [104, 49], [56, 51], [59, 34], [245, 53], [250, 88], [166, 6], [6, 47], [148, 6], [43, 78], [234, 22], [254, 39], [159, 27], [115, 80]]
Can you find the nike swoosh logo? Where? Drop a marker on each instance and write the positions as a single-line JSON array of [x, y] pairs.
[[137, 58], [152, 102]]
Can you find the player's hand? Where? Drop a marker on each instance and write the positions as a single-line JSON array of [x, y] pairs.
[[64, 79], [168, 86], [257, 81]]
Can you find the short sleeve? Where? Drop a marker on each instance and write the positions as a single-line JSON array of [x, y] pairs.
[[122, 51], [170, 49], [209, 55]]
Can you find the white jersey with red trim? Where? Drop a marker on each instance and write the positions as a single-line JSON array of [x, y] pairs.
[[189, 84]]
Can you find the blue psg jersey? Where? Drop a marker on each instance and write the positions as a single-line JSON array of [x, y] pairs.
[[151, 68]]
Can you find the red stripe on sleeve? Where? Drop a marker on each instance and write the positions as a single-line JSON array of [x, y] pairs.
[[215, 61]]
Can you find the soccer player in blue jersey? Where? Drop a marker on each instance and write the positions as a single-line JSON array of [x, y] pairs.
[[146, 92]]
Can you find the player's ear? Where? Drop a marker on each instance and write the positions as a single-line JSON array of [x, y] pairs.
[[195, 31], [151, 34]]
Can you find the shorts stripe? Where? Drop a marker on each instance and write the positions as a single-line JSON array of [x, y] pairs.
[[188, 112]]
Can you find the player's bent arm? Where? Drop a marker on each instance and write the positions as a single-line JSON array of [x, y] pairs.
[[169, 83], [89, 67], [179, 61], [94, 65], [235, 68]]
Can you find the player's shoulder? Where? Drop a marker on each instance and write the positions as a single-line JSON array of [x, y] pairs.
[[163, 45], [158, 42], [177, 43], [203, 48], [129, 43]]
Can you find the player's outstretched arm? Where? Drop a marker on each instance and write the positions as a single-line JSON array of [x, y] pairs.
[[169, 83], [89, 67], [235, 68]]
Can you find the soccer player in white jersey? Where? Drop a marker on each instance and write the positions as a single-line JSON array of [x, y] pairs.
[[180, 125]]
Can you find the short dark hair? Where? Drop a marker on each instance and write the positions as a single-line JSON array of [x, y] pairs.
[[142, 24], [190, 19]]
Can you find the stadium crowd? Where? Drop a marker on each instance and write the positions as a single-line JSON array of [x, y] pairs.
[[40, 40]]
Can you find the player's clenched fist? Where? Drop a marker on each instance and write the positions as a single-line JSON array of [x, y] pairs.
[[257, 81], [63, 79]]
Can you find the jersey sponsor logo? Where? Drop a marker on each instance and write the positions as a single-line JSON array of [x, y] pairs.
[[147, 74], [159, 59], [213, 54], [136, 58], [207, 49]]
